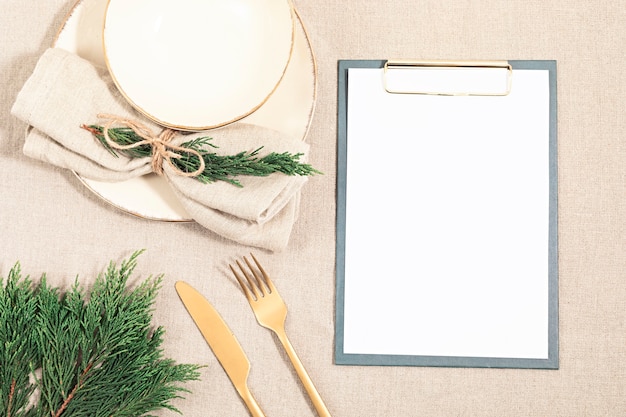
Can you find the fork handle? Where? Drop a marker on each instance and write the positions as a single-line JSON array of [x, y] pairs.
[[318, 403]]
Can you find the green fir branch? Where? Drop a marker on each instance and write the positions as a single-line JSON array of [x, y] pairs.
[[217, 167], [90, 354], [19, 353]]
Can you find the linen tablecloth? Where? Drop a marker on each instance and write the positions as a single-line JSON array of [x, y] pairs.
[[51, 223]]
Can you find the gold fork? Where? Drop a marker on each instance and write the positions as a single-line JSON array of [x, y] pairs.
[[270, 311]]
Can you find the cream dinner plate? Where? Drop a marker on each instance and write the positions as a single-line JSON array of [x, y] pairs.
[[288, 109], [197, 64]]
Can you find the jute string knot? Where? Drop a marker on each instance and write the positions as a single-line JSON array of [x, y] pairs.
[[162, 148]]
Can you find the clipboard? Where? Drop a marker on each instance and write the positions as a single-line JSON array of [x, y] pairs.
[[447, 243]]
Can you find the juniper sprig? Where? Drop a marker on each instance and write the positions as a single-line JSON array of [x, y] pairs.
[[77, 354], [217, 167]]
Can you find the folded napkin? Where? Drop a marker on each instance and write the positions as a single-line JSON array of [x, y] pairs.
[[65, 92]]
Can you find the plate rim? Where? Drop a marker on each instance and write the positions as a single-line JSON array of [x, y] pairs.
[[313, 104], [199, 128]]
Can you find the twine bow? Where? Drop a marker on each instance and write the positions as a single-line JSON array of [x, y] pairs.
[[162, 148]]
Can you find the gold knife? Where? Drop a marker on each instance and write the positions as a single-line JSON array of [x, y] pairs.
[[222, 342]]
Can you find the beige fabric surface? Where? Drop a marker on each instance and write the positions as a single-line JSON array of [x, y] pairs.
[[51, 223], [66, 92]]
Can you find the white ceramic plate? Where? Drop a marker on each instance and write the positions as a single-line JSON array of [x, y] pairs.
[[197, 64], [289, 110]]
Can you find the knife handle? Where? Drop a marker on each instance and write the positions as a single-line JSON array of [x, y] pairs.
[[253, 406]]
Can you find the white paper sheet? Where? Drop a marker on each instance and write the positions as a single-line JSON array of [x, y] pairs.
[[447, 221]]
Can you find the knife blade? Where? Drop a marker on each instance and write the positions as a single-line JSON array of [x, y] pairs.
[[222, 342]]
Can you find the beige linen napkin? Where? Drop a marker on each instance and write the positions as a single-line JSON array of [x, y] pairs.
[[66, 91]]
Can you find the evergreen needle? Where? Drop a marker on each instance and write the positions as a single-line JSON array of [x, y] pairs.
[[73, 354], [217, 167]]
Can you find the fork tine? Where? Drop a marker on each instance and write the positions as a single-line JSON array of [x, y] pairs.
[[252, 281], [266, 277], [260, 280], [245, 287]]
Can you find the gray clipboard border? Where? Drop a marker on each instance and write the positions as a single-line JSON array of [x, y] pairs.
[[341, 358]]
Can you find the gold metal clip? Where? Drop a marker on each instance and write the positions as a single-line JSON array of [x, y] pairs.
[[450, 78]]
